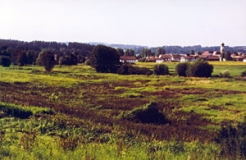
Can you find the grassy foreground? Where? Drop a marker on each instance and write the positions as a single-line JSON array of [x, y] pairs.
[[74, 113]]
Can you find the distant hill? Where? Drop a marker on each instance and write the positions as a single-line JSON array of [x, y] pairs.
[[122, 46]]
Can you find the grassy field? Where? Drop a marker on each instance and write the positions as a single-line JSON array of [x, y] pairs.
[[74, 113]]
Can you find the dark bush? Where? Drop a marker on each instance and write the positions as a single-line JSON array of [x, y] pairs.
[[232, 141], [22, 59], [146, 114], [161, 69], [5, 61], [87, 62], [15, 111], [181, 69], [199, 68], [127, 69], [69, 59], [243, 74]]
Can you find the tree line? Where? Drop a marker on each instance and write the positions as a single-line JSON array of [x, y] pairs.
[[26, 53]]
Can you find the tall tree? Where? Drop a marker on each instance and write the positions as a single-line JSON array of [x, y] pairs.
[[120, 51], [129, 52], [105, 59], [31, 56], [160, 51], [192, 52], [146, 52], [22, 59], [46, 59]]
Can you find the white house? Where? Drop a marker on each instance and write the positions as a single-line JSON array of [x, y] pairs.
[[244, 60], [187, 59], [170, 57], [128, 59]]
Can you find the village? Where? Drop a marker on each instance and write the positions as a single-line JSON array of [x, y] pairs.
[[206, 55]]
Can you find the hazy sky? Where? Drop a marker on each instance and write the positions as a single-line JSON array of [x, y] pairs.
[[140, 22]]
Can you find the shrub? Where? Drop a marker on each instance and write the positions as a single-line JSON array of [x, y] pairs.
[[126, 69], [181, 69], [87, 62], [5, 61], [22, 59], [199, 68], [146, 114], [225, 74], [69, 59], [243, 74], [161, 69], [232, 140]]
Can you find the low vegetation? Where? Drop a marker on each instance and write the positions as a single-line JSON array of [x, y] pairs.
[[127, 69], [74, 112], [149, 114]]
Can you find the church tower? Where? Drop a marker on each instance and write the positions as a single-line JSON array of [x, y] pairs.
[[222, 51]]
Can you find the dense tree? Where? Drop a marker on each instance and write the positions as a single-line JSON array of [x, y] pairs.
[[46, 59], [129, 52], [146, 52], [5, 61], [192, 52], [81, 59], [22, 59], [105, 59], [31, 56], [68, 59], [227, 55], [14, 55], [160, 51], [120, 51]]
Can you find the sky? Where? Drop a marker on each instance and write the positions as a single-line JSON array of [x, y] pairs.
[[150, 23]]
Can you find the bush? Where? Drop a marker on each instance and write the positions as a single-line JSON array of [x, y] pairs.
[[181, 69], [87, 62], [146, 114], [127, 69], [69, 59], [225, 74], [5, 61], [232, 141], [199, 68], [161, 69], [243, 74]]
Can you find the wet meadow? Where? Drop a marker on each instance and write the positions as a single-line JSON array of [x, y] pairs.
[[74, 112]]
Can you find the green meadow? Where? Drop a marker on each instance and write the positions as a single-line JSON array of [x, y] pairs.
[[74, 112]]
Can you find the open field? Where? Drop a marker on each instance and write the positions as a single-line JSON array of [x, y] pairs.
[[75, 113]]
